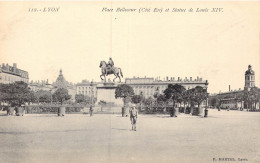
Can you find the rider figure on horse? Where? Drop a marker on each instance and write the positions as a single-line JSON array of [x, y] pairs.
[[110, 64], [108, 69]]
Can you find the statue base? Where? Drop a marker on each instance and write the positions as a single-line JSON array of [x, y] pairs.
[[106, 92]]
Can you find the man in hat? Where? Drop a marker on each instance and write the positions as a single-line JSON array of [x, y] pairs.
[[133, 116]]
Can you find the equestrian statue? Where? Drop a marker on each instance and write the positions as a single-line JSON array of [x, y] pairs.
[[108, 69]]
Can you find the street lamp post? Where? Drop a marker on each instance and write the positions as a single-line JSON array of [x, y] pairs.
[[91, 84], [51, 96], [206, 108], [91, 103]]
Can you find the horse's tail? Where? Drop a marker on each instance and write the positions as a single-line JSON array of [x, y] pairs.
[[120, 72]]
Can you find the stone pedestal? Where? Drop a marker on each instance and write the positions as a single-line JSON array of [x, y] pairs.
[[200, 111], [61, 111], [106, 92], [20, 111], [10, 111]]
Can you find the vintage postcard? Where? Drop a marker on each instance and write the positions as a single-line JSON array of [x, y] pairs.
[[128, 81]]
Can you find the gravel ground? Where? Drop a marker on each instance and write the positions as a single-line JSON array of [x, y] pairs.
[[107, 138]]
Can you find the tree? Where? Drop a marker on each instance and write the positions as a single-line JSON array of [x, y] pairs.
[[3, 92], [61, 95], [161, 99], [123, 91], [31, 97], [79, 98], [137, 99], [213, 101], [174, 92], [149, 102], [255, 96], [186, 97], [198, 96], [17, 93], [246, 98], [126, 92], [44, 96], [252, 97]]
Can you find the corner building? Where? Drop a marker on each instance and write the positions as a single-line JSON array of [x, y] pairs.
[[11, 74]]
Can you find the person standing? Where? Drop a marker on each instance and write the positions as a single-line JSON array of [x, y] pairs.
[[91, 110], [133, 116]]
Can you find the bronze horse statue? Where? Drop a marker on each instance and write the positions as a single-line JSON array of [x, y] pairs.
[[105, 70]]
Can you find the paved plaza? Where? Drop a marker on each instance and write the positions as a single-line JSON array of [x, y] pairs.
[[107, 138]]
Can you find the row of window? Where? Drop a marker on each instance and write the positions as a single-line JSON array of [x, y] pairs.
[[85, 92], [12, 79], [250, 84], [85, 88], [152, 89], [248, 77]]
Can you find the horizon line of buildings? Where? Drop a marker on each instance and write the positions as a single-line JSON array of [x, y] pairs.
[[147, 86]]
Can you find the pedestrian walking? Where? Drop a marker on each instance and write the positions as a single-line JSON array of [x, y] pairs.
[[91, 110], [133, 116]]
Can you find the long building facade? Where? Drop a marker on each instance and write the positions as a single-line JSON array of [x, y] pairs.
[[146, 86], [150, 86], [11, 74], [234, 99]]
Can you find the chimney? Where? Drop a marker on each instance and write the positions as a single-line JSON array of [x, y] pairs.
[[190, 78], [167, 78], [229, 88], [173, 78], [15, 65], [178, 78]]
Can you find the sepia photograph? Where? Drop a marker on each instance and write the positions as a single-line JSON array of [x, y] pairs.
[[130, 81]]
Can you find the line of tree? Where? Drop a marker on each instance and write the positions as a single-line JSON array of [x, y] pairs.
[[18, 93], [251, 98], [179, 95], [84, 99], [175, 94]]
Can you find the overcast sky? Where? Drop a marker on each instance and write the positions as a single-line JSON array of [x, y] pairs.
[[215, 46]]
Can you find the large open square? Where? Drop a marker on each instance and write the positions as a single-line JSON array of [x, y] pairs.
[[233, 135]]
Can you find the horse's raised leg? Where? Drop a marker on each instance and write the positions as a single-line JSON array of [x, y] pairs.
[[115, 77], [101, 77], [119, 78]]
